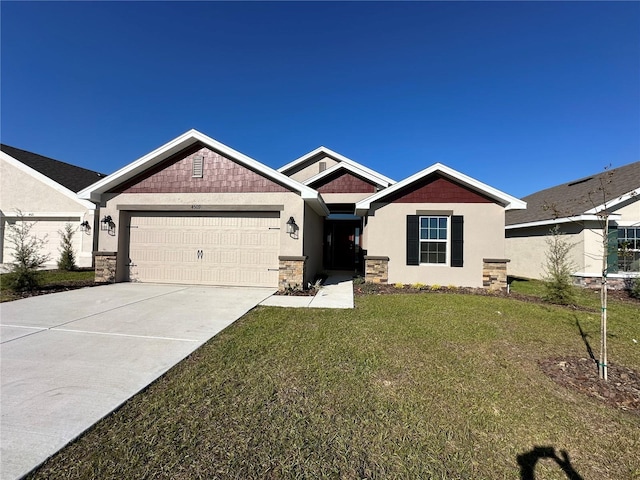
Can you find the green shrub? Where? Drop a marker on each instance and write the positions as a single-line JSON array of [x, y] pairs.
[[27, 259], [67, 260], [559, 288]]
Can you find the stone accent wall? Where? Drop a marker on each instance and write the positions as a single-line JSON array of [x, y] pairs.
[[596, 282], [292, 270], [494, 273], [376, 269], [105, 267]]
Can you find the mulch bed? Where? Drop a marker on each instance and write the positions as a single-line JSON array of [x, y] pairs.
[[621, 390], [61, 287], [386, 289]]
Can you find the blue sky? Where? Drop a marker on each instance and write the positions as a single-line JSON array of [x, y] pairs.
[[520, 95]]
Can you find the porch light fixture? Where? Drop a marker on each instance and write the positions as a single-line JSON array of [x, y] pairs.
[[85, 227], [107, 224], [291, 225]]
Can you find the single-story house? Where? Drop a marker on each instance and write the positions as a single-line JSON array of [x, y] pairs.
[[197, 211], [576, 208], [44, 190]]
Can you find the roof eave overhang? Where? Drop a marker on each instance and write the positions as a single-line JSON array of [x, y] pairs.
[[340, 158], [350, 168], [95, 191], [507, 201], [561, 220], [634, 194]]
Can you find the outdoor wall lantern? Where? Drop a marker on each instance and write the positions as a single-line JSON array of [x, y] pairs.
[[108, 225], [85, 227], [291, 226]]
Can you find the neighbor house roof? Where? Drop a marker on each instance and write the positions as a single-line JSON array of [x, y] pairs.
[[69, 176], [324, 151], [185, 140], [502, 198], [579, 198]]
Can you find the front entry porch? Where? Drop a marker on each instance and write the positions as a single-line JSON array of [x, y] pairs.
[[343, 243]]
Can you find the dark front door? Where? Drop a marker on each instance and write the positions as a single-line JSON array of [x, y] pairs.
[[342, 245]]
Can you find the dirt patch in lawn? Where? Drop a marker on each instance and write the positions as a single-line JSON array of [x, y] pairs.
[[622, 390]]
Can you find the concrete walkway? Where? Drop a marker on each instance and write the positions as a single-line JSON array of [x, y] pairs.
[[336, 292], [68, 359]]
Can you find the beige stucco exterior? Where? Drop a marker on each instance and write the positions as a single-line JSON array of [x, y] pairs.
[[313, 169], [527, 246], [48, 204], [385, 235], [120, 206], [314, 227]]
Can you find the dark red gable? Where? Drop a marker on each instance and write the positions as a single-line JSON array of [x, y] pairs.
[[220, 175], [343, 182], [437, 189]]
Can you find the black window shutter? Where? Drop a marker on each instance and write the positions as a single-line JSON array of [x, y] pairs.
[[457, 240], [413, 240]]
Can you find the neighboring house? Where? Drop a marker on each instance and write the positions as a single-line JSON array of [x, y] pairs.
[[575, 207], [197, 211], [44, 190]]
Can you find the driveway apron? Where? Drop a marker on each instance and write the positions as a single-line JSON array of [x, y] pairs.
[[68, 359]]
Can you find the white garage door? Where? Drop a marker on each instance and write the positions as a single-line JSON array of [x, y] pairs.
[[225, 248], [45, 229]]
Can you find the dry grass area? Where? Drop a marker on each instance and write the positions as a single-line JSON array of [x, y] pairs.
[[403, 386]]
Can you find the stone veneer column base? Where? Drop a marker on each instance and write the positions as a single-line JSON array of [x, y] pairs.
[[105, 263], [494, 273], [376, 269], [291, 272], [613, 283]]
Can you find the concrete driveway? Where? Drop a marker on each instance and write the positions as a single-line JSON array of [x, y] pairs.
[[69, 359]]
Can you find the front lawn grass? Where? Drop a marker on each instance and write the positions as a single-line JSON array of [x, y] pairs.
[[404, 386], [50, 280]]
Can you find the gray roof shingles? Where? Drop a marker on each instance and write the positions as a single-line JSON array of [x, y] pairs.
[[578, 196], [70, 176]]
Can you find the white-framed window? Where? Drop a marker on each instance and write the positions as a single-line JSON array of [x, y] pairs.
[[629, 249], [434, 240]]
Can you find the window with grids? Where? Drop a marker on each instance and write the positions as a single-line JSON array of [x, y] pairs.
[[629, 249], [433, 239]]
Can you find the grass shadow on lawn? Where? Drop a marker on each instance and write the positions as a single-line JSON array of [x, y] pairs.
[[528, 461]]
